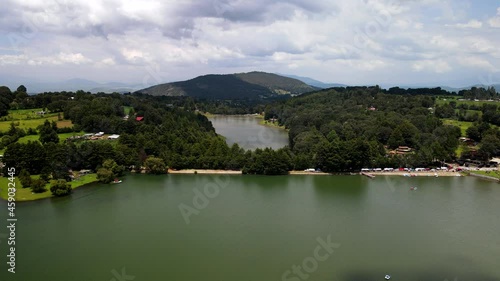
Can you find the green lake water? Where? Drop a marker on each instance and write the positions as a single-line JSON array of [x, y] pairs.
[[248, 133], [256, 228]]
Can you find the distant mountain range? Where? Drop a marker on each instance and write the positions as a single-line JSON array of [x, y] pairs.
[[315, 83], [251, 85], [71, 85], [241, 85]]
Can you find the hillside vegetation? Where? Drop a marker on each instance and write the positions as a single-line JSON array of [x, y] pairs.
[[252, 85]]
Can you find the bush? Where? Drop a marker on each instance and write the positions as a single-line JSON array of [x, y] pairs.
[[60, 188], [105, 175], [38, 186], [25, 178], [31, 132]]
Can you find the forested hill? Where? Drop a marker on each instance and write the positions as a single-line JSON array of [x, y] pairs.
[[252, 85], [346, 129]]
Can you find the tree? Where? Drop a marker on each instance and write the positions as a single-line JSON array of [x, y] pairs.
[[109, 171], [105, 175], [25, 178], [116, 169], [60, 188], [22, 89], [473, 133], [155, 165], [38, 186], [48, 133]]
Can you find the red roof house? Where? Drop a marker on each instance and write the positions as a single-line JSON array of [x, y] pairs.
[[139, 118]]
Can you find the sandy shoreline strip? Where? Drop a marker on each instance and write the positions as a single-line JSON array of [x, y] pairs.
[[394, 173], [202, 171], [417, 174]]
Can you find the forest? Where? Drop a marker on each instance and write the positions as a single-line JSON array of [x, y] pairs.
[[335, 130]]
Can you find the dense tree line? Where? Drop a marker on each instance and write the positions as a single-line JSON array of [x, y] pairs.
[[354, 128], [335, 130]]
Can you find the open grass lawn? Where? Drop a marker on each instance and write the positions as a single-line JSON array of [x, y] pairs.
[[495, 174], [25, 194], [62, 137], [27, 118], [446, 100], [463, 125], [127, 109]]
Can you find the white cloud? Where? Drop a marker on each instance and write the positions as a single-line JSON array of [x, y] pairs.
[[334, 40], [469, 24], [437, 66], [77, 58], [443, 42], [476, 62], [495, 21]]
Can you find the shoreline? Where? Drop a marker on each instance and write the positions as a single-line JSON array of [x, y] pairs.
[[417, 174], [204, 172]]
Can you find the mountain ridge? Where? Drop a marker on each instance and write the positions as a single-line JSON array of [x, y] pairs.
[[250, 85]]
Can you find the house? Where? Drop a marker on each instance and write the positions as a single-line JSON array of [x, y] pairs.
[[113, 137], [139, 118], [467, 141], [372, 108], [85, 172], [100, 134], [125, 117], [403, 149]]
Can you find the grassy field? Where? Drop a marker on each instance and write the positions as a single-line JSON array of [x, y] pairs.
[[445, 100], [463, 125], [27, 118], [271, 124], [127, 109], [62, 137], [495, 174], [25, 194]]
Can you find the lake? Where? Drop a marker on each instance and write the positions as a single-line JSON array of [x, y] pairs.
[[252, 228], [246, 131]]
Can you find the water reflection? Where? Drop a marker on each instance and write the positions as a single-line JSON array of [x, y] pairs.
[[248, 133]]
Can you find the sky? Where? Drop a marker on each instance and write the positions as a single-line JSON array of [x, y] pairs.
[[356, 42]]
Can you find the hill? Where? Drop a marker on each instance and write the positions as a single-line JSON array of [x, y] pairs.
[[315, 83], [252, 85]]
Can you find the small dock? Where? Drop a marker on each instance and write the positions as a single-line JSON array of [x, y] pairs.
[[367, 175]]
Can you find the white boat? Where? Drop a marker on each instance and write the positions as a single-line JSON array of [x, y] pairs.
[[117, 181], [387, 277]]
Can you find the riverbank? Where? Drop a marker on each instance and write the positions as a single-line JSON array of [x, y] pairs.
[[25, 194], [417, 174], [204, 172], [274, 124]]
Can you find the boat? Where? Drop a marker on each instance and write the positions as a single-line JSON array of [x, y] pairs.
[[387, 277], [116, 181], [367, 175]]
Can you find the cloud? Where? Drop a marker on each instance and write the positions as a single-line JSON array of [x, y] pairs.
[[437, 66], [469, 24], [336, 41], [495, 21], [477, 62]]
